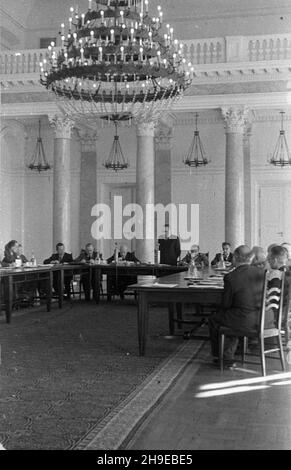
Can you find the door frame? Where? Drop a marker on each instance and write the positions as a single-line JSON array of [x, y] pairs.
[[105, 190], [256, 210]]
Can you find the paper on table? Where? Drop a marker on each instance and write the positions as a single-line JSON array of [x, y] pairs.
[[206, 286], [158, 285]]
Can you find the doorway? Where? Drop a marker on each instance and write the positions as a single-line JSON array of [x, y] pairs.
[[117, 197], [274, 214]]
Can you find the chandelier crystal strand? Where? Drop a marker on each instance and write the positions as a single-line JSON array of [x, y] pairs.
[[196, 155], [114, 60], [281, 156]]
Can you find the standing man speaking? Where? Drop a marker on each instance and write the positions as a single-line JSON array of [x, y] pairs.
[[169, 246]]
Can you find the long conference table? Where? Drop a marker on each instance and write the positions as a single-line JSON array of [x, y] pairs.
[[175, 291], [11, 277]]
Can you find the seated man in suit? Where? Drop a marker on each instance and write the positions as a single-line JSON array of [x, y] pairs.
[[120, 284], [88, 256], [225, 255], [200, 259], [169, 246], [124, 255], [241, 303], [61, 257], [259, 257]]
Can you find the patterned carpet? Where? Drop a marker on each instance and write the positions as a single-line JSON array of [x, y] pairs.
[[63, 372]]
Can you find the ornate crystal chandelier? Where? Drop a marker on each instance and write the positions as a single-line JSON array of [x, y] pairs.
[[39, 161], [281, 156], [114, 60], [196, 155], [116, 160]]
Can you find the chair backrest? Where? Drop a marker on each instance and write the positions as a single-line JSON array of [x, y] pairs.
[[272, 300]]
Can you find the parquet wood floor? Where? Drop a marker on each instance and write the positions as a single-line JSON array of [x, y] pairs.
[[235, 410]]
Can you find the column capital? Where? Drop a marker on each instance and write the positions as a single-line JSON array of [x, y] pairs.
[[62, 126], [145, 129], [87, 139], [163, 136], [235, 119]]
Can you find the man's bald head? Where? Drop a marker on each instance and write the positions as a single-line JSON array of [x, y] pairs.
[[242, 255]]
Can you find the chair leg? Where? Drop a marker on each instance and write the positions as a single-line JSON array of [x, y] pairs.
[[221, 351], [281, 352], [244, 349], [263, 359]]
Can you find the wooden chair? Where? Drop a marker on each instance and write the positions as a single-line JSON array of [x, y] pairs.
[[272, 304], [199, 315]]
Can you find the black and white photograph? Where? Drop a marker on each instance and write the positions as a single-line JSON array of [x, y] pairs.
[[145, 228]]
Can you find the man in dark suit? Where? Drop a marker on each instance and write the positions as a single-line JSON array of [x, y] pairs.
[[61, 257], [119, 284], [124, 255], [88, 256], [241, 302], [225, 254], [200, 259], [169, 246]]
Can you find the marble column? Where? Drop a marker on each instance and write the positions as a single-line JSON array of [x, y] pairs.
[[88, 184], [145, 190], [234, 175], [62, 179], [163, 146], [247, 183], [75, 171]]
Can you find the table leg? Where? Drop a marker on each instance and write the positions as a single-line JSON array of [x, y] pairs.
[[179, 309], [96, 284], [49, 291], [61, 286], [8, 294], [107, 288], [171, 310], [142, 321]]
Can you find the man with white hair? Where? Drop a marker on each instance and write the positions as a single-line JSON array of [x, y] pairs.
[[200, 259], [287, 247], [241, 302]]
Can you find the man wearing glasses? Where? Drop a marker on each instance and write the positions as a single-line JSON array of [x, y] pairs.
[[200, 259]]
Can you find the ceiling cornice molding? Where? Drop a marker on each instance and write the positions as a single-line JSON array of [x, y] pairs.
[[239, 13], [276, 101], [251, 100], [204, 74], [258, 115]]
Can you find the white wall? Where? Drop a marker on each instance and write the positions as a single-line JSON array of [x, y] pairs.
[[13, 147]]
